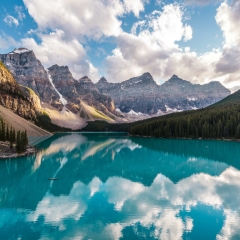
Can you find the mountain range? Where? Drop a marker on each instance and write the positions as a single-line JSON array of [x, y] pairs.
[[142, 94], [55, 94]]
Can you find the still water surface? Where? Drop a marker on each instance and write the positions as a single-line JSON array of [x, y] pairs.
[[111, 186]]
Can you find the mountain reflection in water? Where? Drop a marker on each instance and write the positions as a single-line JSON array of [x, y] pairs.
[[112, 186]]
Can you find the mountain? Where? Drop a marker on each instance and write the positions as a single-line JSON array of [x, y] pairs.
[[142, 94], [68, 102], [82, 96], [29, 72], [220, 120]]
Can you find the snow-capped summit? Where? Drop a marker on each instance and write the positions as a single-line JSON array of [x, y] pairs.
[[20, 50]]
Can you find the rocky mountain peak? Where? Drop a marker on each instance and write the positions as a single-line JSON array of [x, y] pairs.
[[57, 67], [147, 77], [103, 80], [175, 80], [174, 76], [85, 79]]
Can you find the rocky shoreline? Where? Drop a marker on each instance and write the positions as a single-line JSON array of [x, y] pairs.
[[7, 152]]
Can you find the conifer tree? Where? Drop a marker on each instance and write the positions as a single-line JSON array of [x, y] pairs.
[[7, 134]]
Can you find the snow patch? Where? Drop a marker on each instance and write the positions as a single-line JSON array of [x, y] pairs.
[[192, 99], [134, 113], [160, 112], [168, 109], [21, 50], [62, 99], [138, 81], [194, 108]]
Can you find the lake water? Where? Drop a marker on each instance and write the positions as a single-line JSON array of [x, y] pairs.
[[111, 186]]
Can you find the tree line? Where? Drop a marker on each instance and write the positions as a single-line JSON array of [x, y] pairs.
[[212, 123], [17, 138]]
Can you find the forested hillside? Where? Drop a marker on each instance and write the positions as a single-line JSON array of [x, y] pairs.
[[221, 120], [17, 139]]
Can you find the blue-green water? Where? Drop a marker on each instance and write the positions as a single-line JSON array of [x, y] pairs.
[[111, 186]]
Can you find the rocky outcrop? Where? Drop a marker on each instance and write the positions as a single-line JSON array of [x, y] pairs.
[[142, 94], [63, 81], [13, 97], [29, 72]]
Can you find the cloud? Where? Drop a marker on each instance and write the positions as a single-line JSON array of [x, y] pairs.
[[19, 11], [87, 18], [10, 20], [229, 64], [200, 2], [164, 28], [229, 61], [228, 19], [55, 49], [136, 6], [7, 42]]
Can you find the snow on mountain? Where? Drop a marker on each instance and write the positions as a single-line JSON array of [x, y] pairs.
[[134, 113], [168, 109], [20, 50], [62, 99]]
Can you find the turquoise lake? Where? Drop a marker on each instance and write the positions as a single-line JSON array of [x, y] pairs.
[[111, 186]]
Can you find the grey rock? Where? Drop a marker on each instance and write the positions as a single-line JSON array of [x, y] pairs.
[[142, 94]]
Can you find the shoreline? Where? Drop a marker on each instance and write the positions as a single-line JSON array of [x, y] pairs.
[[6, 152], [211, 139]]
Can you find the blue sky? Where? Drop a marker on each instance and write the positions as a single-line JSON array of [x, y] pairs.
[[97, 37]]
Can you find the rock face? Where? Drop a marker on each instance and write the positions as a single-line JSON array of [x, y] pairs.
[[29, 72], [142, 94], [15, 98], [76, 91]]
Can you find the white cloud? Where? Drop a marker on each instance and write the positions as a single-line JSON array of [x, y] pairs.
[[10, 20], [200, 2], [7, 42], [136, 6], [228, 19], [87, 18], [165, 27], [19, 11], [54, 49]]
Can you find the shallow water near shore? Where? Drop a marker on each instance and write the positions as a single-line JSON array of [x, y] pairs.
[[112, 186]]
